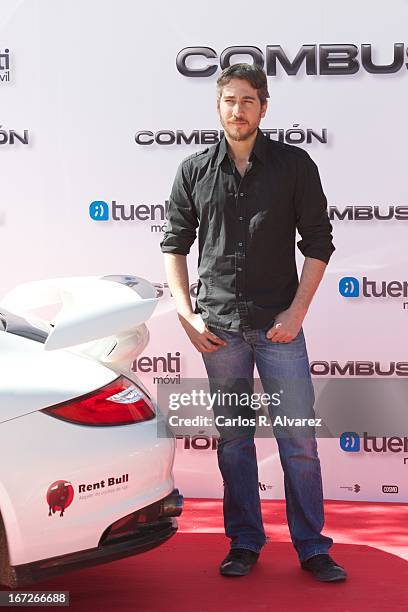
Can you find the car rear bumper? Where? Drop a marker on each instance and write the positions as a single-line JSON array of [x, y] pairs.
[[135, 533]]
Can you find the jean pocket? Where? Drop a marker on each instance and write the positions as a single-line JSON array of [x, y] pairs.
[[221, 333]]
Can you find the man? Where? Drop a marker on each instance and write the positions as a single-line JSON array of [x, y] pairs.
[[247, 195]]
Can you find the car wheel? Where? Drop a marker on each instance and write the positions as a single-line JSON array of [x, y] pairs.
[[7, 576]]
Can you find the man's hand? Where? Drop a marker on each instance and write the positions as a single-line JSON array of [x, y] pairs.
[[194, 326], [288, 323], [286, 326], [199, 334]]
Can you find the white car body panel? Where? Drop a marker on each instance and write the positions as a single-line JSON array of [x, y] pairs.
[[81, 455], [32, 378], [92, 307], [102, 323]]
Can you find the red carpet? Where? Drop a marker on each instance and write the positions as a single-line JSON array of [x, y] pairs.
[[371, 542]]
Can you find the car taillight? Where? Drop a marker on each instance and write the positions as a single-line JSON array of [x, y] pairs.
[[121, 402]]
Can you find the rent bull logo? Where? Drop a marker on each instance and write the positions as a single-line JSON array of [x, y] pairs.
[[59, 496]]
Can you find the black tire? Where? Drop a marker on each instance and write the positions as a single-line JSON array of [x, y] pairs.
[[7, 576]]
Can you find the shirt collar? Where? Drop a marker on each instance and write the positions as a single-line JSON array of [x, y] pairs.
[[259, 149]]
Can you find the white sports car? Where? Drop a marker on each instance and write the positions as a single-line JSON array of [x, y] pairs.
[[86, 458]]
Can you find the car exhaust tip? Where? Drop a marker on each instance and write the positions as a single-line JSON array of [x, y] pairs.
[[172, 505], [156, 518]]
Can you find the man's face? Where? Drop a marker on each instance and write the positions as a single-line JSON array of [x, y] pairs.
[[240, 109]]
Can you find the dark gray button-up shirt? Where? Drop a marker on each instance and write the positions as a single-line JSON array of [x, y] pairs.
[[246, 229]]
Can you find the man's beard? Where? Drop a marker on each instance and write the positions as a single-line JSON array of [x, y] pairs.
[[238, 136]]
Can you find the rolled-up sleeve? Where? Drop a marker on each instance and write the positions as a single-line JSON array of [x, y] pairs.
[[312, 220], [182, 220]]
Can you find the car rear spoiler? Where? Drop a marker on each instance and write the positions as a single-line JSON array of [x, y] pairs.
[[90, 307]]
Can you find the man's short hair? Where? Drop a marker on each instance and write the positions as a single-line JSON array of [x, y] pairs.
[[248, 72]]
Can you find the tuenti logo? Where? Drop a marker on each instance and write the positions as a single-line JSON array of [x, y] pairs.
[[318, 59], [294, 135], [368, 213], [350, 443], [99, 210], [163, 363], [349, 286], [389, 488], [5, 66], [168, 364], [352, 287]]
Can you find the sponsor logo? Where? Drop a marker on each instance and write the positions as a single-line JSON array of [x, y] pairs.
[[320, 59], [99, 210], [359, 368], [165, 364], [264, 487], [111, 481], [59, 496], [353, 488], [349, 286], [351, 443], [11, 137], [4, 66], [368, 213], [294, 135], [352, 287], [199, 442], [389, 488]]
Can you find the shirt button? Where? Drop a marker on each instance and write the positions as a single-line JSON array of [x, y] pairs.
[[239, 269], [240, 294], [240, 243], [242, 195], [241, 218]]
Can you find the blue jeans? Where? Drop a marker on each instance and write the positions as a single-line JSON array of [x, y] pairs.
[[282, 367]]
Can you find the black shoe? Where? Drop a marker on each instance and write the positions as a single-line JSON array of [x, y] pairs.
[[324, 568], [238, 562]]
